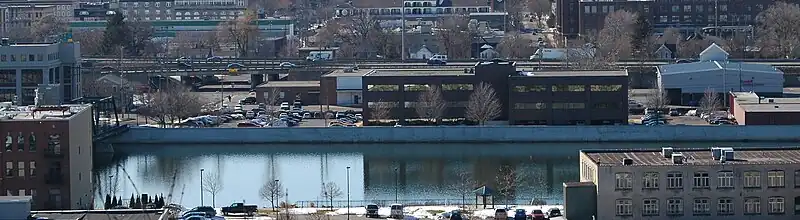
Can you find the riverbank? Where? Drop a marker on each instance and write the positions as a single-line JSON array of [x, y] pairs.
[[460, 134]]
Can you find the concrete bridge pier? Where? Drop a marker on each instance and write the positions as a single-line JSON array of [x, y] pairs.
[[549, 176], [256, 79]]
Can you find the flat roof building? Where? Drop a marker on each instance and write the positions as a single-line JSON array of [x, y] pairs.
[[685, 83], [720, 182], [539, 98], [47, 154], [306, 91], [346, 84], [24, 67], [751, 109]]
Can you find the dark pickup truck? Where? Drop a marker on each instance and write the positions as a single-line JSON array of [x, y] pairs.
[[239, 208]]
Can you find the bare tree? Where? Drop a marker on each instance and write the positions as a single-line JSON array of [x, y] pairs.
[[241, 32], [455, 36], [140, 38], [431, 104], [777, 30], [692, 48], [614, 40], [171, 103], [380, 110], [710, 101], [273, 191], [330, 191], [465, 185], [212, 185], [89, 43], [271, 98], [515, 45], [539, 9], [318, 216], [48, 26], [509, 179], [657, 98], [483, 105]]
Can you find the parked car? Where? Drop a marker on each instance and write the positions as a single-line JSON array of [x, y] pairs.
[[537, 214], [554, 212], [519, 214], [372, 211], [674, 112], [185, 65], [500, 214], [396, 211], [183, 60], [287, 64], [250, 100], [456, 215], [240, 208], [210, 211]]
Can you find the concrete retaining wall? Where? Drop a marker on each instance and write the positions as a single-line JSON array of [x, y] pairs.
[[499, 134]]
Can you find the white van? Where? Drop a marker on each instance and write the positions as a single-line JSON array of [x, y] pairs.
[[396, 211]]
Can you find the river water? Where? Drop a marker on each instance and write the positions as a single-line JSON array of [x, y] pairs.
[[381, 173]]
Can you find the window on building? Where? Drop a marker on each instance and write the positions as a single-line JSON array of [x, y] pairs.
[[650, 207], [606, 88], [797, 179], [20, 168], [382, 88], [701, 206], [530, 105], [451, 87], [701, 180], [9, 142], [776, 205], [32, 167], [752, 179], [650, 180], [725, 206], [569, 105], [675, 206], [569, 88], [20, 142], [9, 169], [32, 142], [416, 87], [530, 88], [725, 179], [675, 180], [687, 8], [624, 207], [54, 144], [752, 205], [776, 179], [624, 181]]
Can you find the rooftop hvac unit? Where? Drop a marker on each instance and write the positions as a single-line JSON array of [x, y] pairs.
[[716, 152], [728, 153], [666, 152], [627, 161], [348, 70], [48, 94], [677, 158]]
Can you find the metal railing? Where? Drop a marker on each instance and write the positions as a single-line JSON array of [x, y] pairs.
[[469, 201]]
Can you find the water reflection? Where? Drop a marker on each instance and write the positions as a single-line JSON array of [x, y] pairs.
[[378, 172]]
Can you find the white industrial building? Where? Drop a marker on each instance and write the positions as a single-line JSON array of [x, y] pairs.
[[685, 83]]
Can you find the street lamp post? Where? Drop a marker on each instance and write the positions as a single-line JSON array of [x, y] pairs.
[[201, 186], [348, 193], [274, 197], [396, 179]]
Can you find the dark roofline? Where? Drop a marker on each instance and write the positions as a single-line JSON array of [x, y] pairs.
[[694, 149]]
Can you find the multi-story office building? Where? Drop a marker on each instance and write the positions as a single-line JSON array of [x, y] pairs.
[[23, 67], [543, 98], [183, 9], [575, 17], [757, 183], [423, 9], [47, 154], [15, 14]]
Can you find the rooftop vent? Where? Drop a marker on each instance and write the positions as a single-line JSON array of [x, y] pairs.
[[677, 158], [666, 152], [348, 70], [716, 153], [771, 100], [627, 161]]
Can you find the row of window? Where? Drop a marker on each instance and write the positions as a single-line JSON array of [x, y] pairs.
[[412, 104], [178, 13], [21, 171], [568, 88], [702, 180], [702, 18], [409, 11], [27, 57], [186, 3], [700, 206], [53, 142], [36, 76], [541, 106], [417, 87]]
